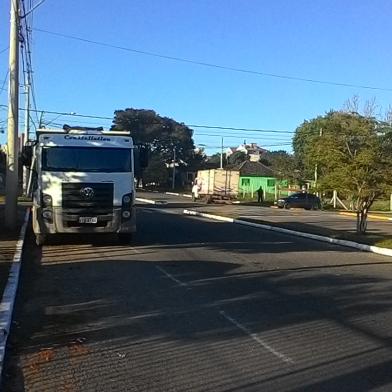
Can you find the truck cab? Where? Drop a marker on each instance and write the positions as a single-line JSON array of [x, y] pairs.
[[83, 182]]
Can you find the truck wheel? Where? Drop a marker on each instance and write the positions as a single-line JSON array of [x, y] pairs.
[[125, 238], [40, 239]]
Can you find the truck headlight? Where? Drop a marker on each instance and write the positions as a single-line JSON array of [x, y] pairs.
[[47, 200]]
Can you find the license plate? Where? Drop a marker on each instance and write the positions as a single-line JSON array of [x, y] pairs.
[[91, 220]]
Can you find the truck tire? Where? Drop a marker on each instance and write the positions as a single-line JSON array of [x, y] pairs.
[[40, 239]]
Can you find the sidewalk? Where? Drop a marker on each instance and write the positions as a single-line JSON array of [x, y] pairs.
[[8, 240], [325, 223]]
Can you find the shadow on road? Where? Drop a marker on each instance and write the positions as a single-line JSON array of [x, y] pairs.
[[107, 312]]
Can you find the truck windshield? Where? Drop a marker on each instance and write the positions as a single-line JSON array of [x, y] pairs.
[[90, 159]]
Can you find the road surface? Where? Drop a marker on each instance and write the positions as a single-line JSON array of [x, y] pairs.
[[198, 305], [310, 221]]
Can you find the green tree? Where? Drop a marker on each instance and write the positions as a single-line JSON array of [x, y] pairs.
[[304, 138], [163, 135], [156, 172], [214, 160], [282, 163], [353, 154], [237, 158]]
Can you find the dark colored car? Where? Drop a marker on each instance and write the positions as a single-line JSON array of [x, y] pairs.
[[300, 200]]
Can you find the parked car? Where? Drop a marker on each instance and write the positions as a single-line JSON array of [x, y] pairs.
[[300, 200]]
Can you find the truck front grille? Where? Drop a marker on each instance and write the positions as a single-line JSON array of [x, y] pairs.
[[87, 196]]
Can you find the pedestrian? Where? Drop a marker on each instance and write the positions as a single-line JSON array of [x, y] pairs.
[[195, 192], [260, 195]]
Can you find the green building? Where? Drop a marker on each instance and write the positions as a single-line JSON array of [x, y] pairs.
[[254, 175]]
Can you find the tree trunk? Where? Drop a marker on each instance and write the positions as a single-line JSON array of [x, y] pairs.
[[362, 221]]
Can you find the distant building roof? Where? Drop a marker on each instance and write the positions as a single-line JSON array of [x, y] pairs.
[[251, 149], [253, 169]]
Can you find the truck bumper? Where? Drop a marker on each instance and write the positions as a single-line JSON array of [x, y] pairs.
[[64, 221]]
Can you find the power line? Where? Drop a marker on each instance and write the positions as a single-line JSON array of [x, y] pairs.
[[253, 139], [188, 125], [2, 51], [79, 121], [32, 8], [68, 114], [242, 135], [264, 145], [28, 27], [211, 65], [212, 127], [5, 81]]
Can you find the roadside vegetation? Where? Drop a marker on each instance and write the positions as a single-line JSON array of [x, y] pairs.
[[348, 151]]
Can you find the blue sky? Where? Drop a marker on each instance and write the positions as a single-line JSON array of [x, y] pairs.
[[345, 42]]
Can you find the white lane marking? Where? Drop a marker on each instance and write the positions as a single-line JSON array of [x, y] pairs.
[[170, 276], [252, 335]]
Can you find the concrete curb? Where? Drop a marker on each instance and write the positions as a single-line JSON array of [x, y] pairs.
[[330, 240], [149, 201], [380, 217], [9, 295], [178, 194]]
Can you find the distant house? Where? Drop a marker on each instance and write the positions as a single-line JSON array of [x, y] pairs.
[[252, 150], [254, 175]]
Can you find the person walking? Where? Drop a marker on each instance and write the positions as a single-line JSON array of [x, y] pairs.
[[195, 192], [260, 195]]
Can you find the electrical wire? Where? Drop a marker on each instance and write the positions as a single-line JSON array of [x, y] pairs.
[[211, 127], [28, 27], [216, 66], [5, 81]]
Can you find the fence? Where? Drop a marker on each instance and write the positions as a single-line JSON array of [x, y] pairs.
[[378, 205]]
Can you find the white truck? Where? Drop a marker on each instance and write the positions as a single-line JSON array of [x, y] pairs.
[[82, 181], [218, 183]]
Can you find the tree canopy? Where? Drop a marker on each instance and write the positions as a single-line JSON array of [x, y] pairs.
[[237, 157], [353, 154], [282, 163], [162, 135]]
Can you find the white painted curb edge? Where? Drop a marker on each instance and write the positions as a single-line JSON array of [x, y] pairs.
[[350, 244], [178, 194], [149, 201], [8, 300]]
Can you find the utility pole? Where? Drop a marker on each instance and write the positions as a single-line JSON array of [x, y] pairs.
[[11, 190], [174, 168], [221, 157], [27, 127]]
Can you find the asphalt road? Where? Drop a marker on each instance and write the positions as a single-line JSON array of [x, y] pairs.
[[310, 220], [198, 305]]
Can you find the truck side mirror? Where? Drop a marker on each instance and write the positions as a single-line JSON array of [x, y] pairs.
[[27, 155]]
